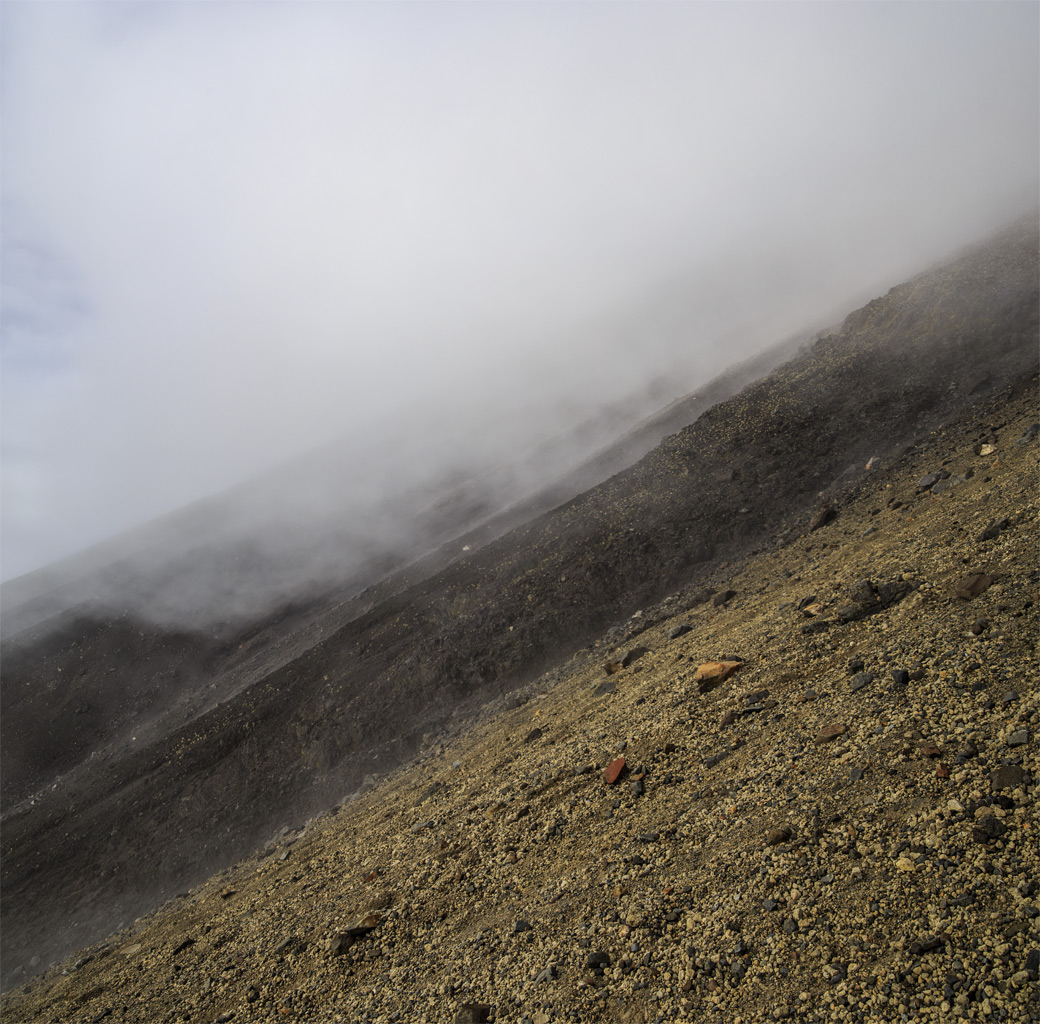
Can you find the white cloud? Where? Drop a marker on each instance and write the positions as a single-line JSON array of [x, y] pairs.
[[287, 221]]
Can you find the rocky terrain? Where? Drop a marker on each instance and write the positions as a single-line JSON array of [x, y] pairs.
[[836, 821]]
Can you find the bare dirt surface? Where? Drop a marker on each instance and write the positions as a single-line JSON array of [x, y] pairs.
[[889, 900]]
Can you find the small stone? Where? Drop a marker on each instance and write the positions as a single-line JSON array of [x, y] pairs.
[[824, 515], [906, 865], [927, 944], [604, 688], [955, 805], [520, 925], [647, 837], [614, 771], [633, 656], [533, 735], [545, 974], [830, 732], [769, 904], [637, 787], [728, 719], [988, 828], [681, 630], [970, 587], [472, 1013], [856, 774], [979, 625], [723, 597], [1018, 738], [711, 673], [1010, 776], [597, 959], [778, 835], [1029, 434], [790, 925], [860, 680], [994, 529]]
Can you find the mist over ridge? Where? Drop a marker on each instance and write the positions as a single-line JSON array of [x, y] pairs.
[[449, 232]]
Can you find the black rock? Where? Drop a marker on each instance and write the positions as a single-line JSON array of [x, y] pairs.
[[681, 630], [634, 655], [637, 787], [994, 529], [891, 593], [860, 680], [855, 665], [520, 925], [790, 925], [988, 828], [472, 1013], [1010, 776], [900, 677], [925, 945], [597, 959]]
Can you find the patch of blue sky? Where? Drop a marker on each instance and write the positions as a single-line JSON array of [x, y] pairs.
[[42, 308]]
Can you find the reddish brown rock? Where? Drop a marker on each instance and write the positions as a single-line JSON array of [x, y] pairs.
[[970, 587], [831, 732], [728, 719], [823, 516], [943, 771], [928, 751], [611, 667], [614, 770]]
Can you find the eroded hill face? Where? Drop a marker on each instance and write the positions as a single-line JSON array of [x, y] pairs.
[[841, 825], [301, 709]]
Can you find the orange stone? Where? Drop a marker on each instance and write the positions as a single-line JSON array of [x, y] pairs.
[[716, 671], [614, 770]]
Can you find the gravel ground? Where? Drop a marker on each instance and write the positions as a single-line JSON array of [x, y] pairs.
[[838, 825]]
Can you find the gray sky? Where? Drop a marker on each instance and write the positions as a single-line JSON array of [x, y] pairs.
[[234, 231]]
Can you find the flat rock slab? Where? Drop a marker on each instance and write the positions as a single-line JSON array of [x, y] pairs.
[[970, 587], [831, 732], [614, 771], [711, 673]]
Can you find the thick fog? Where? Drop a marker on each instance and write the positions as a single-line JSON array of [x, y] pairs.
[[414, 238]]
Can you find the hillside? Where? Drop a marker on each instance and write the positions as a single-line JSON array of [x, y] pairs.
[[303, 707], [844, 828]]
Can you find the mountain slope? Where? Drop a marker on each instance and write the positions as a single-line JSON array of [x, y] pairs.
[[314, 718], [844, 829]]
